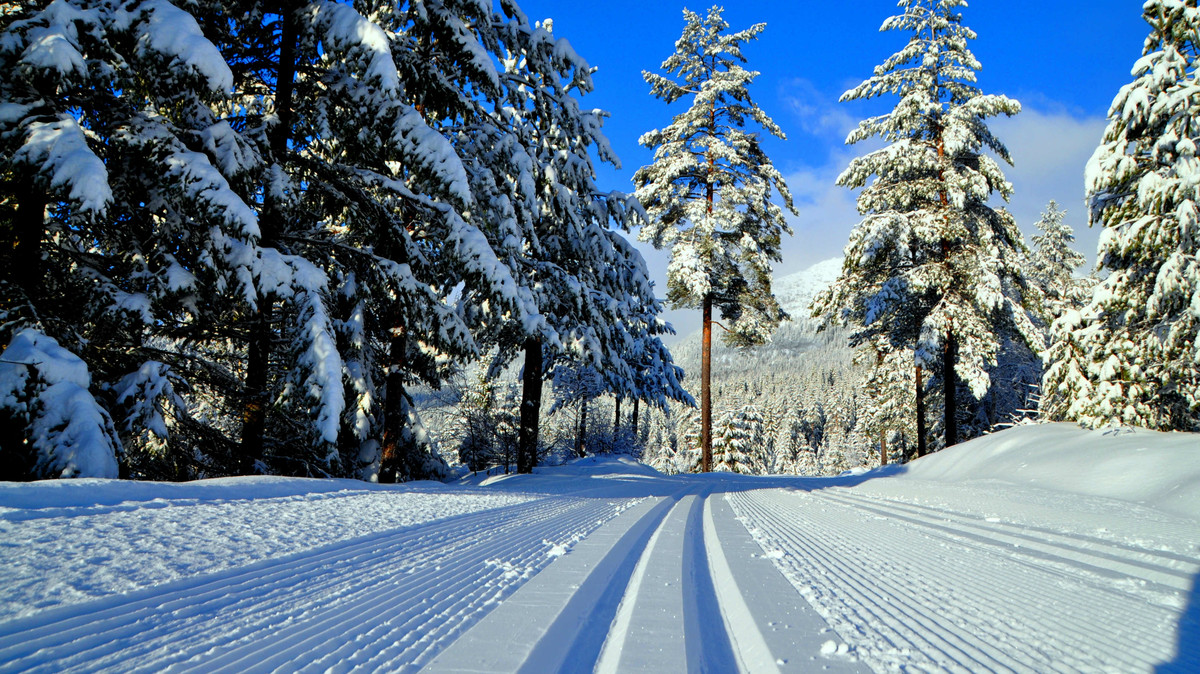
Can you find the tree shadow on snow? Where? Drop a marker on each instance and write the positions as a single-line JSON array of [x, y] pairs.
[[1187, 644], [608, 477], [734, 482]]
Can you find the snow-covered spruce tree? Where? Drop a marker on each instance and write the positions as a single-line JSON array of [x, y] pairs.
[[595, 306], [738, 445], [121, 215], [709, 193], [891, 414], [1132, 356], [378, 209], [1054, 264], [932, 268], [576, 388]]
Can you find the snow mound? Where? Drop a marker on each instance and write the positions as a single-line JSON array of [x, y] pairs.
[[1160, 470]]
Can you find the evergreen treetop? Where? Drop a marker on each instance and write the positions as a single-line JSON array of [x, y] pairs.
[[710, 193]]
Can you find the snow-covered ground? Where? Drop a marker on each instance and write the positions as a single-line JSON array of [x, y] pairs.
[[1038, 549]]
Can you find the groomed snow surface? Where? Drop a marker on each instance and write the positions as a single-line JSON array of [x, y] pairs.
[[1042, 548]]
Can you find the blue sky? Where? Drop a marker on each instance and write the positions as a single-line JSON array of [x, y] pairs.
[[1064, 60]]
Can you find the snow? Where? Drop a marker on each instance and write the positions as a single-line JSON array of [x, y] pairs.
[[70, 432], [797, 290], [61, 149], [173, 32], [1039, 548]]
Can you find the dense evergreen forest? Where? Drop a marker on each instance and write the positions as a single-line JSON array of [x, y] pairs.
[[365, 239]]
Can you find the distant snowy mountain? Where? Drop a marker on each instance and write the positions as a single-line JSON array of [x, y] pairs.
[[797, 291]]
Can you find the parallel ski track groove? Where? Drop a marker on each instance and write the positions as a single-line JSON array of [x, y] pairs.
[[1167, 563], [873, 601], [851, 538], [189, 614], [1077, 561], [1083, 603], [709, 649]]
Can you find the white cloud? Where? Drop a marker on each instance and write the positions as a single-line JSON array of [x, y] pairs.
[[818, 112], [1050, 151]]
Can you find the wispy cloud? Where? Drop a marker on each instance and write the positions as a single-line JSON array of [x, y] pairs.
[[1050, 150], [817, 112]]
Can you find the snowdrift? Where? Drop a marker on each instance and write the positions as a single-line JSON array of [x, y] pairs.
[[1160, 470]]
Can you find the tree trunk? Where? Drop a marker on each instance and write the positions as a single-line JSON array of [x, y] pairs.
[[706, 390], [581, 435], [635, 419], [617, 416], [883, 458], [393, 463], [949, 381], [922, 448], [254, 414], [27, 270], [531, 407]]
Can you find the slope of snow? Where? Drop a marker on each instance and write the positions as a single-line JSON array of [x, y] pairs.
[[1037, 549], [1160, 470]]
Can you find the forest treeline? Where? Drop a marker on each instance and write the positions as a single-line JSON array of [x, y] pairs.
[[248, 238]]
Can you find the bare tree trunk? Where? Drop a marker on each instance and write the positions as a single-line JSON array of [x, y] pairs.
[[949, 380], [617, 417], [395, 461], [883, 457], [254, 411], [706, 390], [581, 435], [531, 407], [922, 448], [258, 356], [636, 402], [27, 270]]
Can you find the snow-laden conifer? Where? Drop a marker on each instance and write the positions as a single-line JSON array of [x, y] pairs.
[[739, 443], [933, 268], [125, 225], [711, 192], [1055, 261], [530, 161], [1132, 356], [57, 427]]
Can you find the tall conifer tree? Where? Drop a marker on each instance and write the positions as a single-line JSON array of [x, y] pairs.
[[709, 192], [1132, 356], [933, 269]]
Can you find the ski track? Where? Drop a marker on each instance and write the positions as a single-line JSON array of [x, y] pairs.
[[394, 596], [975, 594], [712, 574]]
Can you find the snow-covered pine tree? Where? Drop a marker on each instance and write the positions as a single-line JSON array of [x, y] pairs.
[[595, 305], [889, 389], [933, 268], [1132, 356], [739, 443], [577, 388], [710, 192], [477, 447], [123, 220], [379, 211], [1054, 263]]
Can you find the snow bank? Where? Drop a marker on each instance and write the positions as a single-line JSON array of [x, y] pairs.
[[1161, 470]]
